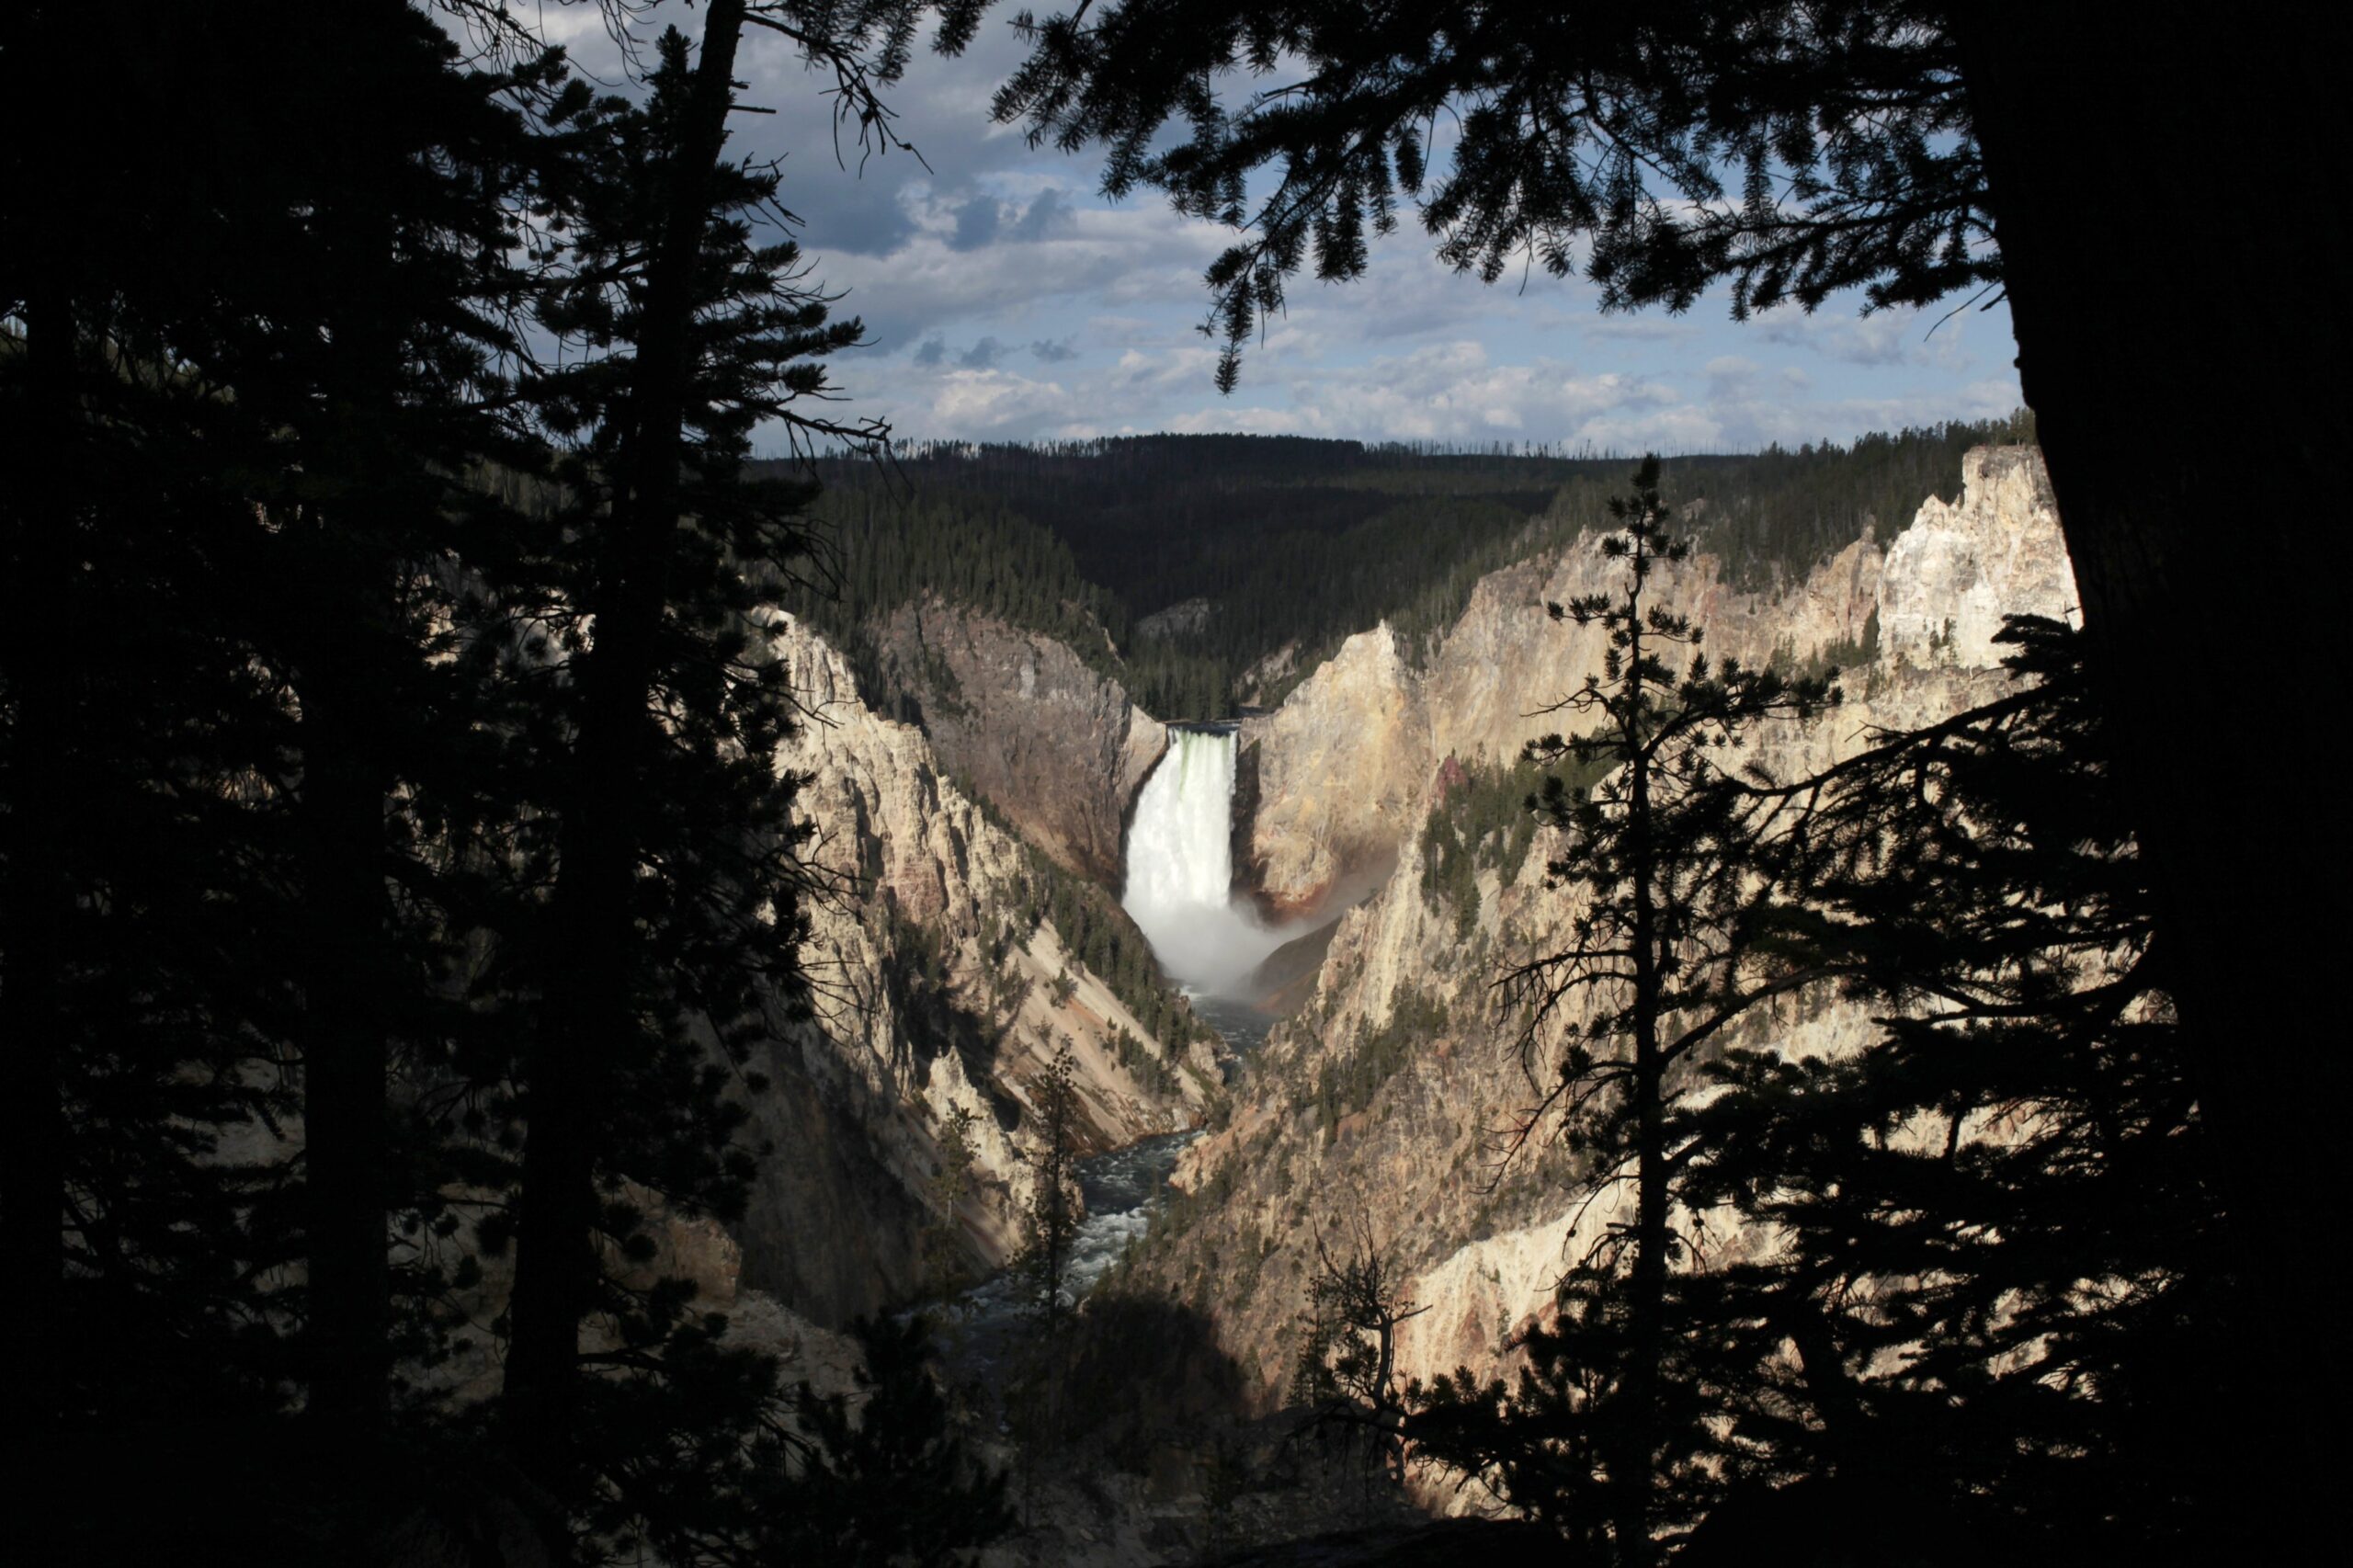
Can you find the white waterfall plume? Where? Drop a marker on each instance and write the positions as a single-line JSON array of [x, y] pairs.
[[1180, 867]]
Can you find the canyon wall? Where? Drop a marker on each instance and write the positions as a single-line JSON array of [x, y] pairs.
[[933, 989], [1379, 1110], [1345, 760], [1054, 745]]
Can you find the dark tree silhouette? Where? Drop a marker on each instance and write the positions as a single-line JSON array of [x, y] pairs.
[[280, 360], [675, 912], [1978, 1297], [1052, 1224], [1993, 1304], [296, 694], [1673, 867], [1345, 1377]]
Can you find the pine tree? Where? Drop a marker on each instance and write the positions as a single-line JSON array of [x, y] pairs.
[[945, 1264], [1993, 1297], [1672, 866], [668, 949], [285, 358], [1050, 1223]]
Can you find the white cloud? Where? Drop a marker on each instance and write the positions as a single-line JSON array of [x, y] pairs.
[[1888, 337], [940, 275], [1007, 302]]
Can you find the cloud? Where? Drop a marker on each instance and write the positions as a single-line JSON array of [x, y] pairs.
[[1002, 404], [1135, 259], [855, 201], [1640, 329], [1003, 302], [1046, 215], [982, 355], [1890, 337], [976, 224], [1730, 377], [1453, 392]]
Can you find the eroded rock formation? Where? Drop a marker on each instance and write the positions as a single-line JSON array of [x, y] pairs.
[[1054, 745]]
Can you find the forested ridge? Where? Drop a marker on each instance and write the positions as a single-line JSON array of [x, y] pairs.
[[1292, 544]]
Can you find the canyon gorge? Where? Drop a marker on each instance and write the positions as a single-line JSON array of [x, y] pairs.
[[1344, 873]]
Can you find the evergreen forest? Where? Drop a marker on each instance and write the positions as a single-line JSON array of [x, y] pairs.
[[1211, 573]]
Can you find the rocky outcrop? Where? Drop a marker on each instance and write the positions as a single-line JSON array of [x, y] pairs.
[[1956, 572], [1184, 617], [1340, 766], [935, 991], [1405, 990], [1344, 759], [1054, 745]]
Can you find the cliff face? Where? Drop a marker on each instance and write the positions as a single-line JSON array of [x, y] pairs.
[[1376, 1109], [1957, 571], [932, 994], [1338, 768], [1345, 762], [1055, 747]]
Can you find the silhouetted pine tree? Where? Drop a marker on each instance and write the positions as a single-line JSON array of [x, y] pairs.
[[283, 360], [1673, 865], [398, 261], [1994, 1302], [1050, 1224], [669, 942]]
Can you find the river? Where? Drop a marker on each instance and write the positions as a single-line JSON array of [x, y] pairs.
[[1121, 1188]]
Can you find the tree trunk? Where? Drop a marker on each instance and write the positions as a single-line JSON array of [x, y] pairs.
[[349, 679], [2168, 189], [1647, 1311], [345, 1055], [41, 558], [586, 1020]]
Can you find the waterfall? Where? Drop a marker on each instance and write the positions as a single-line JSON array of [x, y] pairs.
[[1180, 867], [1181, 849]]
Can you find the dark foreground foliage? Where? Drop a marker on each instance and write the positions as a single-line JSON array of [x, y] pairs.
[[398, 885], [1991, 1309]]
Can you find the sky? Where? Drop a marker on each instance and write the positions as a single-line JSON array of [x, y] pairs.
[[1004, 299]]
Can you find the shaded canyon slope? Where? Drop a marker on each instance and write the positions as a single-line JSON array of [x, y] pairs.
[[936, 991], [1375, 1108], [1054, 745]]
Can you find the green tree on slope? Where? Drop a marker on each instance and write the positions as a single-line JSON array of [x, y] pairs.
[[1050, 1224]]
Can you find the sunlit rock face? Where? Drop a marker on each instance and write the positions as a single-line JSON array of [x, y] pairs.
[[1053, 745], [1345, 761], [1415, 1167], [1339, 768], [901, 1039], [1958, 569]]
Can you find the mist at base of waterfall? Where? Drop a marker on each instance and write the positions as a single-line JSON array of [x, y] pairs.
[[1180, 871], [1214, 951]]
